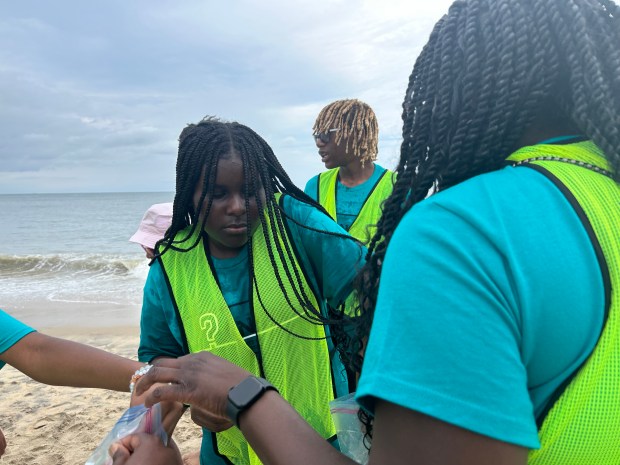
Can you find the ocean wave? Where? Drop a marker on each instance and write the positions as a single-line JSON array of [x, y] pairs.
[[93, 264]]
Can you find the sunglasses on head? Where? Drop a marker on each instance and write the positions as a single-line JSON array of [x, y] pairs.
[[324, 136]]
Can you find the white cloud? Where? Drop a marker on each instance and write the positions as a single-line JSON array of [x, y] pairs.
[[94, 95]]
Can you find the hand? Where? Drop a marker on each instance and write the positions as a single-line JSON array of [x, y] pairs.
[[2, 443], [201, 379], [207, 420], [143, 449], [171, 412]]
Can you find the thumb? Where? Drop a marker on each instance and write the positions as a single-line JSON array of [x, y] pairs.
[[119, 453]]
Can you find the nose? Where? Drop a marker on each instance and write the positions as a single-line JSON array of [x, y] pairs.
[[236, 206]]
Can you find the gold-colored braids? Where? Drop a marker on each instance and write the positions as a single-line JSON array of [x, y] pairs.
[[358, 127]]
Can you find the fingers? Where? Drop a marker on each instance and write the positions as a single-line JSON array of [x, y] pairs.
[[157, 374], [166, 392], [119, 454], [121, 450], [2, 443]]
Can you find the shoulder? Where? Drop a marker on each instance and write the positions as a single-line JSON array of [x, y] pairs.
[[516, 212], [382, 174], [313, 180], [311, 186], [301, 212]]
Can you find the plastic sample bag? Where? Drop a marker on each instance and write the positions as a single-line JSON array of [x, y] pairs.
[[137, 419], [348, 428]]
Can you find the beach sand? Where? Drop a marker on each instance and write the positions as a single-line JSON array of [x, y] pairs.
[[50, 425]]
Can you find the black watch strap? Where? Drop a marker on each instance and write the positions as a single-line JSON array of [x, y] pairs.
[[244, 394]]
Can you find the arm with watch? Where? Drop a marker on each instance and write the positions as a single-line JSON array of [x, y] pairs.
[[274, 429]]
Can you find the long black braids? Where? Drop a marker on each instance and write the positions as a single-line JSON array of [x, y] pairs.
[[488, 71], [201, 146]]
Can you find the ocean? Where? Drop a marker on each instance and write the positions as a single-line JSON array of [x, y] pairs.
[[65, 259]]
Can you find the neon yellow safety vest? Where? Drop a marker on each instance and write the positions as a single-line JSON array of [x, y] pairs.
[[582, 426], [364, 226], [299, 368]]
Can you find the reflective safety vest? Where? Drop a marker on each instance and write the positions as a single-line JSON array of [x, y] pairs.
[[299, 368], [582, 423], [364, 226]]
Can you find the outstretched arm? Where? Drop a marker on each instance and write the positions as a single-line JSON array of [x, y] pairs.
[[281, 437], [61, 362], [204, 380]]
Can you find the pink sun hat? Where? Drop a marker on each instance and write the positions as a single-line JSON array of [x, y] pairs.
[[154, 224]]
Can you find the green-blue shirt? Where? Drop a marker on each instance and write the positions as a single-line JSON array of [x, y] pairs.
[[490, 296], [330, 263], [349, 200], [11, 332]]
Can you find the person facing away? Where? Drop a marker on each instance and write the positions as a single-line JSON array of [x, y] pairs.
[[495, 318], [247, 270], [346, 132], [155, 222], [60, 362]]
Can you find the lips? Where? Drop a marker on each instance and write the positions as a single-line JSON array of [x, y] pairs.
[[236, 228], [324, 156]]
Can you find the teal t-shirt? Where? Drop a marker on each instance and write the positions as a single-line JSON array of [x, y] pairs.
[[349, 200], [330, 263], [12, 332], [490, 296]]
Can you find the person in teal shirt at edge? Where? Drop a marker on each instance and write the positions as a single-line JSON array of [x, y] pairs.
[[230, 169], [60, 362], [346, 132], [492, 306]]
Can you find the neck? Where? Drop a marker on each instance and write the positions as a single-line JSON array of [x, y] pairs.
[[548, 125], [353, 174]]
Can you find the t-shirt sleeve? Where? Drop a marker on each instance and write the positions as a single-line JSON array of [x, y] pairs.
[[333, 260], [12, 332], [446, 334], [160, 335]]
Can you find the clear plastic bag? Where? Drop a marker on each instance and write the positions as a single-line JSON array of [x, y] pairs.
[[137, 419], [348, 428]]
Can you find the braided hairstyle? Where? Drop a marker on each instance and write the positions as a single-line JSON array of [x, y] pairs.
[[489, 70], [358, 126], [201, 146]]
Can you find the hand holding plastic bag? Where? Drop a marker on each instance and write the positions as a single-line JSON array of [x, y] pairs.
[[137, 419]]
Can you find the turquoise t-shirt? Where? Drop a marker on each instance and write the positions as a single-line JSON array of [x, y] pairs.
[[12, 332], [349, 200], [330, 263], [490, 296]]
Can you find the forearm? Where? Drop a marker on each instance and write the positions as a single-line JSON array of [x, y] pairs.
[[280, 436], [61, 362]]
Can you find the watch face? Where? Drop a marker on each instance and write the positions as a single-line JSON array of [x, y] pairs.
[[245, 391]]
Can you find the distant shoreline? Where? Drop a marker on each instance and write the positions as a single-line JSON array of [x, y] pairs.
[[79, 317]]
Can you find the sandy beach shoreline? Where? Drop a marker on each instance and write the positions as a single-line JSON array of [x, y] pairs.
[[51, 425]]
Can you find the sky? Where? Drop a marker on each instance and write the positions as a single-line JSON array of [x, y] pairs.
[[93, 95]]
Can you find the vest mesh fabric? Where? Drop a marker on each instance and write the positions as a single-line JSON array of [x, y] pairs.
[[364, 226], [299, 368], [583, 426]]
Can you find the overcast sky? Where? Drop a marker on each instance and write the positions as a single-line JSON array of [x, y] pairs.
[[93, 95]]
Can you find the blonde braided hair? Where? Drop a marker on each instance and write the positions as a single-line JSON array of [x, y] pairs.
[[358, 126]]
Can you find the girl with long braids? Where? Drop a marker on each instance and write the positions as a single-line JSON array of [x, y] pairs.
[[247, 271], [494, 280]]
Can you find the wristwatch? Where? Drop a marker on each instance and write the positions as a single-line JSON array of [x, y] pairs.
[[244, 394]]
